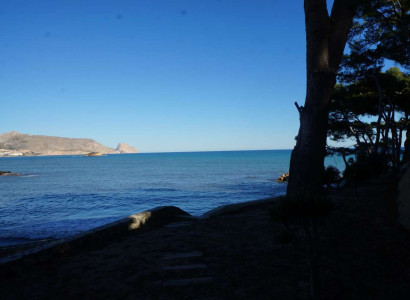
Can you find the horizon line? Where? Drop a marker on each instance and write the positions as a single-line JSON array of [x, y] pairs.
[[200, 151]]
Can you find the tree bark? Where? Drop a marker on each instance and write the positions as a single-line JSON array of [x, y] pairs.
[[398, 150], [406, 154], [380, 111], [394, 140], [325, 42], [385, 148]]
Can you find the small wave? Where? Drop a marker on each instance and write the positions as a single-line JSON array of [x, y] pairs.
[[29, 175], [159, 190], [17, 241]]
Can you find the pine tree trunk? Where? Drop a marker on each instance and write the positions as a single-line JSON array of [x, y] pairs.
[[325, 41], [406, 155], [380, 111], [306, 166]]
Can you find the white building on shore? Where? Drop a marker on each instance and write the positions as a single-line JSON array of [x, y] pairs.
[[5, 152]]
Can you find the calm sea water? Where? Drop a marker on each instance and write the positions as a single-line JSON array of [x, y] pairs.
[[63, 195]]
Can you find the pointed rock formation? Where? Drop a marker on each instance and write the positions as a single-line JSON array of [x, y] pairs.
[[125, 148]]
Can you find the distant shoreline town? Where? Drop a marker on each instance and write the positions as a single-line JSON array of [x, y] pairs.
[[5, 152]]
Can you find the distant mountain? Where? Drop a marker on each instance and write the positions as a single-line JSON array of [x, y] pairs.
[[51, 145]]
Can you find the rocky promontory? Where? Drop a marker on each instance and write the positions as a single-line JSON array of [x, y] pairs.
[[125, 148]]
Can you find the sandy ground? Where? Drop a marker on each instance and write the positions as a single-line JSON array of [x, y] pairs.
[[240, 255]]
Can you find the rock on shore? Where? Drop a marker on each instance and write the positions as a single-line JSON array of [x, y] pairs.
[[284, 177]]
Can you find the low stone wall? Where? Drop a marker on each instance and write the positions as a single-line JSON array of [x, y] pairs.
[[404, 198], [232, 208], [146, 220], [117, 230]]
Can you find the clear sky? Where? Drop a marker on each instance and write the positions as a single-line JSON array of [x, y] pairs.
[[159, 75]]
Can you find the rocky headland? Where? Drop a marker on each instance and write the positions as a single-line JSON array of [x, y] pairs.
[[18, 144], [125, 148]]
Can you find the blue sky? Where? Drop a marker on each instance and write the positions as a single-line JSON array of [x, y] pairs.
[[160, 75]]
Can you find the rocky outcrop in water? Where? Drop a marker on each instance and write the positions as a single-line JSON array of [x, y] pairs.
[[8, 173], [94, 154], [283, 178]]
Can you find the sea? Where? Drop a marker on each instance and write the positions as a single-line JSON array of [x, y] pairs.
[[58, 196]]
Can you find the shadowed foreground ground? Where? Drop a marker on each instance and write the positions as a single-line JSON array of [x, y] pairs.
[[241, 255]]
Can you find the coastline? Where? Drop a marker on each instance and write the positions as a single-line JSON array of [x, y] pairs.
[[363, 254], [59, 154], [119, 184], [165, 152], [120, 227]]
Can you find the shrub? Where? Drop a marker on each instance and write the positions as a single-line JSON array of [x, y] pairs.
[[296, 207], [365, 167], [331, 175]]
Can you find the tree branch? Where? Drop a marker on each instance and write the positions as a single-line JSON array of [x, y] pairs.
[[299, 108], [341, 20]]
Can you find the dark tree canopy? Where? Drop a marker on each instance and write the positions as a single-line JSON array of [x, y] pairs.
[[384, 27], [379, 35], [376, 31], [354, 115]]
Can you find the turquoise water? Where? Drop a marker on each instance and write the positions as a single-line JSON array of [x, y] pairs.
[[63, 195]]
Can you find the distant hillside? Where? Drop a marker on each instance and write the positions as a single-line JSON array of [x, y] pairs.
[[51, 145]]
